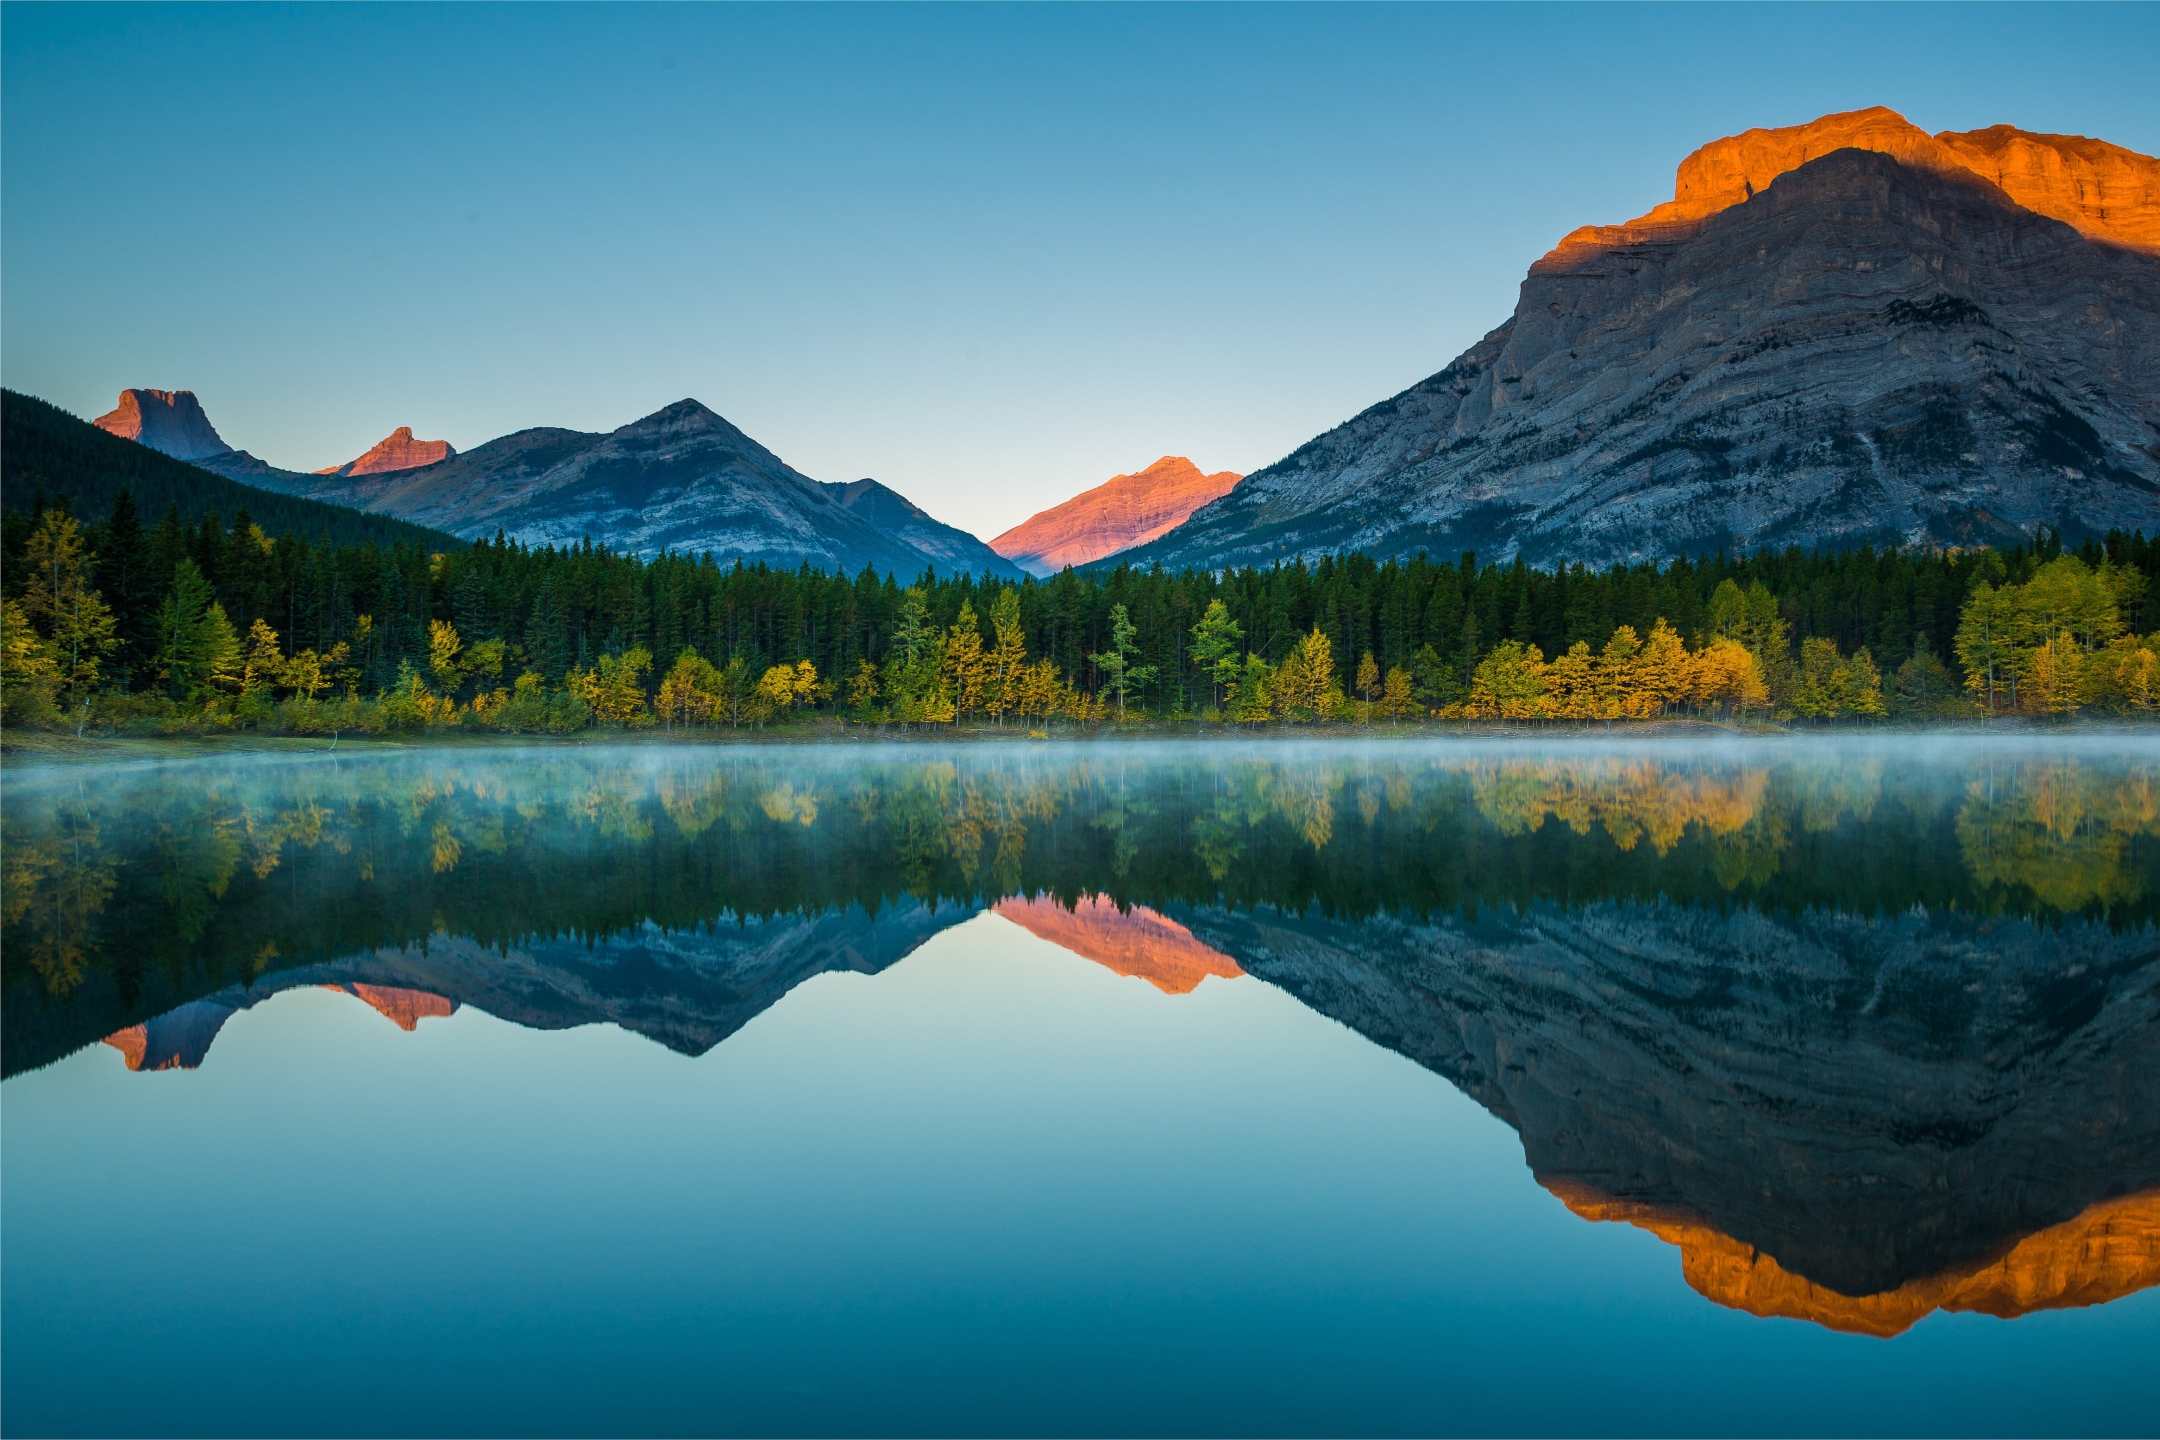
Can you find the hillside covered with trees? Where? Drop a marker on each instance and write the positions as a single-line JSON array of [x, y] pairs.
[[216, 624]]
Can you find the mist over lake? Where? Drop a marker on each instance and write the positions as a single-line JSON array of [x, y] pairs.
[[1426, 1086]]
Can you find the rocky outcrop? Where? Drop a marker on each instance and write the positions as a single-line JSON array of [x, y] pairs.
[[1123, 511], [396, 451], [171, 422], [682, 479], [1866, 1102], [893, 515], [2103, 191], [1134, 941], [1836, 333]]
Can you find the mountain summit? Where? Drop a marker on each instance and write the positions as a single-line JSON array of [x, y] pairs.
[[396, 451], [1837, 332], [682, 479], [1123, 511], [171, 422]]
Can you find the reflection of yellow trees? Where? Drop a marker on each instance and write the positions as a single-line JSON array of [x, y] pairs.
[[2061, 830], [1630, 799], [786, 804], [55, 880], [1256, 792], [694, 802]]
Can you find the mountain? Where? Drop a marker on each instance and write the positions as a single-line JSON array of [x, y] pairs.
[[1134, 941], [1869, 1101], [396, 451], [44, 448], [174, 423], [1838, 332], [902, 519], [170, 422], [681, 479], [1123, 511], [687, 990]]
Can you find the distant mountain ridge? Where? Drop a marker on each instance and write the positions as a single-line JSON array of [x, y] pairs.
[[1123, 511], [43, 447], [681, 479], [1838, 332]]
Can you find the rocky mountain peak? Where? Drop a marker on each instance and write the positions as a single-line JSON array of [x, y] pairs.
[[396, 451], [2103, 191], [171, 422], [1123, 511], [1883, 344]]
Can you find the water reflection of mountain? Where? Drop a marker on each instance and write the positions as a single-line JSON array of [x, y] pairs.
[[1861, 1032], [688, 990], [1869, 1102]]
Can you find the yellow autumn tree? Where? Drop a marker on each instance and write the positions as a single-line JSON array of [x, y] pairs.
[[1508, 684]]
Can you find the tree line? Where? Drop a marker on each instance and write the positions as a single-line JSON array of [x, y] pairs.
[[225, 624]]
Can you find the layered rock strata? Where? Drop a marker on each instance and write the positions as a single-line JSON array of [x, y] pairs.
[[1842, 332]]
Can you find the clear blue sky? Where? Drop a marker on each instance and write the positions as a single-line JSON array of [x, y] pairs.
[[988, 255]]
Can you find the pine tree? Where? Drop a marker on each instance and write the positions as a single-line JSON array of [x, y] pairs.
[[197, 648], [127, 583], [1116, 662], [1214, 650]]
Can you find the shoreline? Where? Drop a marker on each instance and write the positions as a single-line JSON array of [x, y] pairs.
[[26, 750]]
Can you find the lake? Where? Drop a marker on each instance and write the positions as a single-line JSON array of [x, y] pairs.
[[1434, 1086]]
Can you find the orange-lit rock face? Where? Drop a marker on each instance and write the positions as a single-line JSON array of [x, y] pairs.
[[2110, 1251], [2102, 190], [131, 1043], [404, 1008], [397, 451], [169, 421], [1122, 512], [1141, 942]]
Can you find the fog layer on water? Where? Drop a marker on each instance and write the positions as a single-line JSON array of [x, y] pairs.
[[1128, 1087]]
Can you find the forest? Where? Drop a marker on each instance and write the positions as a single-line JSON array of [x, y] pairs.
[[124, 900], [117, 624]]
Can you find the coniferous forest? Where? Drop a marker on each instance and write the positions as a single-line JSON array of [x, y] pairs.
[[274, 616]]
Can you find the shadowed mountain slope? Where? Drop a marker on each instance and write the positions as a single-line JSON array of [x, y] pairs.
[[681, 479], [43, 447], [1834, 334], [1867, 1101], [899, 518]]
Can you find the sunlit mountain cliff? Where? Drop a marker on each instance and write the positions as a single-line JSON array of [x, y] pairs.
[[1123, 511], [1836, 332], [170, 422], [395, 451]]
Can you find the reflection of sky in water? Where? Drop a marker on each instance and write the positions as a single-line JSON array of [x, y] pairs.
[[992, 1188]]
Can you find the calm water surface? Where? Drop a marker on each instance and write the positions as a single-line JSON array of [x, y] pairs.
[[1404, 1088]]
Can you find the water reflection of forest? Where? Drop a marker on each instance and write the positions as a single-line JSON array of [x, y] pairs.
[[232, 868], [1862, 1031]]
